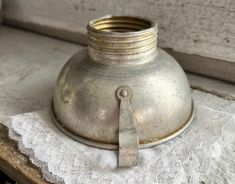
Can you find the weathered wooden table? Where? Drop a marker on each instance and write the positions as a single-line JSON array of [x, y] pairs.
[[29, 65]]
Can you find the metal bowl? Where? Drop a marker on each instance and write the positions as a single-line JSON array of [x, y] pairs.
[[122, 91]]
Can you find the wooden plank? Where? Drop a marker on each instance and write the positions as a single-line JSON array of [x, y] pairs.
[[16, 165], [204, 28], [0, 11], [212, 86], [29, 66], [215, 68], [199, 27]]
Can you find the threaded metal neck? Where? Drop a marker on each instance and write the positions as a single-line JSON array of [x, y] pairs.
[[121, 38]]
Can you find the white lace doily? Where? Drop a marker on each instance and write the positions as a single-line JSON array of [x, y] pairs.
[[204, 153]]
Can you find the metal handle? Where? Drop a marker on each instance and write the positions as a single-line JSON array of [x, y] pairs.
[[128, 136]]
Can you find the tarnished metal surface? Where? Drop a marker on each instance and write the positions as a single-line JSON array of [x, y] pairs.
[[122, 52]]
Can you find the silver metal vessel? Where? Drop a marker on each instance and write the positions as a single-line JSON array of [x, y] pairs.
[[122, 92]]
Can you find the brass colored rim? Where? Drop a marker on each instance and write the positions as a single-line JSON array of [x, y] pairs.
[[115, 146], [122, 35]]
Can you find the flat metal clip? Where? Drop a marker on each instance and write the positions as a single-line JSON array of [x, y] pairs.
[[128, 135]]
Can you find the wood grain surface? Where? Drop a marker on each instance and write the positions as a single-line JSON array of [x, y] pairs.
[[199, 27], [15, 164]]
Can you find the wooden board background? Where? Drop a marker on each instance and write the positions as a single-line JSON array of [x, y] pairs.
[[201, 28], [0, 11]]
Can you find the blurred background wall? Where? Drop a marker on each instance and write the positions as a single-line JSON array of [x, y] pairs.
[[200, 34]]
